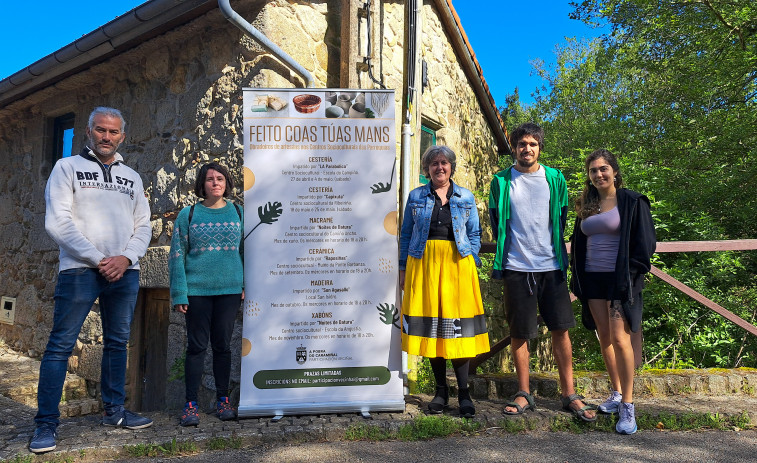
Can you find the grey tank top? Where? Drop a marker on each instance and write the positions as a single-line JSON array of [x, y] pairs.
[[603, 232]]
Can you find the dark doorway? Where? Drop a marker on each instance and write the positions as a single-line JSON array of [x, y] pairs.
[[147, 370]]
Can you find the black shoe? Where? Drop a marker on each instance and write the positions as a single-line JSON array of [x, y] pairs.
[[467, 410], [440, 400]]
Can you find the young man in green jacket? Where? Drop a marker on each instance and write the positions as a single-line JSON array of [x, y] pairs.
[[528, 207]]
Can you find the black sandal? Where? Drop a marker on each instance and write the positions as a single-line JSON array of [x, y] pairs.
[[520, 410], [581, 412]]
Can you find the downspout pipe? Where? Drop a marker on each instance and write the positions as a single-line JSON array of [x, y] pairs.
[[407, 129], [237, 20]]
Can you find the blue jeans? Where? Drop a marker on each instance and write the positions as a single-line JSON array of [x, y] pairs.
[[76, 291]]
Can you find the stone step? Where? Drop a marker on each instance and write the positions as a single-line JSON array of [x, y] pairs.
[[80, 407], [649, 383], [19, 383]]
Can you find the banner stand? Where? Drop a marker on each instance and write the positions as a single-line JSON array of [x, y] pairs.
[[321, 329]]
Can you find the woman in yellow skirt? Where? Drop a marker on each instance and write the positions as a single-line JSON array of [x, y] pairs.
[[442, 313]]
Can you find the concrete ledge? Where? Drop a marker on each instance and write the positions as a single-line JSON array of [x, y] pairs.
[[650, 383]]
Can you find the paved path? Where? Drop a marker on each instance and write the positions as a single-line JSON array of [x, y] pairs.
[[85, 435], [494, 446], [723, 392]]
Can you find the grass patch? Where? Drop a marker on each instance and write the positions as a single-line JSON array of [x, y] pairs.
[[741, 421], [569, 423], [363, 431], [661, 421], [519, 424], [428, 427], [565, 423], [514, 425], [48, 459], [167, 449], [224, 443], [421, 428], [19, 459], [693, 421]]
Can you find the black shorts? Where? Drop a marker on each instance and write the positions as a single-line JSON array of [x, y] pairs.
[[524, 291], [598, 285]]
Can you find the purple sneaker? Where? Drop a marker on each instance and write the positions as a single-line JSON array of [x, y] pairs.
[[611, 404], [627, 422]]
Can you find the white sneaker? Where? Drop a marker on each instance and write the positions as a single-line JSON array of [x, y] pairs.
[[611, 404]]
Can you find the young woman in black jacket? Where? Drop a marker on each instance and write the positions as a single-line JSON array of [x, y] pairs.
[[613, 242]]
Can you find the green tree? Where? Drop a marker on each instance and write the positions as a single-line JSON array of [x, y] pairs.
[[672, 90]]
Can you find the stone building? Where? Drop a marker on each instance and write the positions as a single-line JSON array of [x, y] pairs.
[[176, 69]]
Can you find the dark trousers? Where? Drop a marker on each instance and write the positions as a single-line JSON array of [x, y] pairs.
[[210, 317]]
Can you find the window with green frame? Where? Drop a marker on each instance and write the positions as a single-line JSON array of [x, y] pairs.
[[428, 138]]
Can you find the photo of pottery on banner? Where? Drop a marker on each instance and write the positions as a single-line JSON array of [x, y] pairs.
[[347, 104]]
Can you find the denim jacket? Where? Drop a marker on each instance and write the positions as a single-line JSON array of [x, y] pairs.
[[417, 221]]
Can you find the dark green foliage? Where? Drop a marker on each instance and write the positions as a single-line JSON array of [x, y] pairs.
[[425, 382]]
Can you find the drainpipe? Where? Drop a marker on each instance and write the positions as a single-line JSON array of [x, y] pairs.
[[409, 103], [264, 41], [409, 362]]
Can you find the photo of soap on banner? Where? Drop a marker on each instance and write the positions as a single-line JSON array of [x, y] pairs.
[[321, 331]]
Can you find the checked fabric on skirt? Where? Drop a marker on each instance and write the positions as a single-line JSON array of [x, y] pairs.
[[442, 312]]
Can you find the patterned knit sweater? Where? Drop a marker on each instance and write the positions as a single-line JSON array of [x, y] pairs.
[[204, 258]]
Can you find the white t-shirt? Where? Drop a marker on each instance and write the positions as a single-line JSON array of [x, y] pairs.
[[530, 230]]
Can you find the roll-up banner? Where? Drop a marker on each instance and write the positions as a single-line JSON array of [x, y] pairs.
[[321, 330]]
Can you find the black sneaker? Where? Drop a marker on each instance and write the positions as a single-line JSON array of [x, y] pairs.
[[124, 418], [224, 410], [190, 416], [44, 438]]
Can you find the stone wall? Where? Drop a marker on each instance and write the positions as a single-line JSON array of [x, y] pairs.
[[449, 100], [181, 95]]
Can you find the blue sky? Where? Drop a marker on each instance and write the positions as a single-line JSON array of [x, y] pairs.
[[506, 34]]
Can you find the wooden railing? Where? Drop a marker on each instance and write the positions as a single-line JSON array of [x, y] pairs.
[[665, 246]]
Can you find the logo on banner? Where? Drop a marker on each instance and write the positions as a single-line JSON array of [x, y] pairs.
[[301, 355]]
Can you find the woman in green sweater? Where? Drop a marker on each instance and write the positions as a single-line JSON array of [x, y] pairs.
[[205, 267]]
